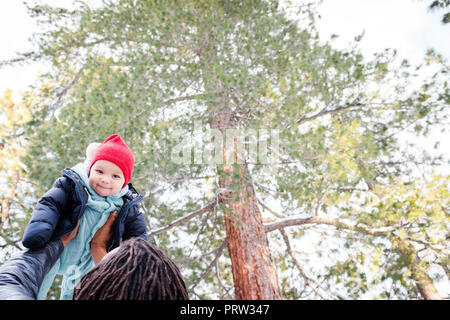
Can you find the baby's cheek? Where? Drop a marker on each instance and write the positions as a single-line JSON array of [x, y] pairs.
[[91, 182]]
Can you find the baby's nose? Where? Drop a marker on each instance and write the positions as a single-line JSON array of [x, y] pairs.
[[105, 179]]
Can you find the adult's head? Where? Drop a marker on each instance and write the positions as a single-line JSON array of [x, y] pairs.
[[136, 270]]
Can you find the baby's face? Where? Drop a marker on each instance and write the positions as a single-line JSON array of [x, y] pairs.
[[106, 178]]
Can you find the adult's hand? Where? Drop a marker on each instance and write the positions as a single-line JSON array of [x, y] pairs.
[[102, 237], [66, 239]]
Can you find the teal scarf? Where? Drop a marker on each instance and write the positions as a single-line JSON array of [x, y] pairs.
[[76, 258]]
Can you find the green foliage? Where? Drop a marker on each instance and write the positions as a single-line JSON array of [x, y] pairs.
[[16, 191], [442, 5]]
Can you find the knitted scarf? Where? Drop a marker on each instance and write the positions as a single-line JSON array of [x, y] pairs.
[[76, 258]]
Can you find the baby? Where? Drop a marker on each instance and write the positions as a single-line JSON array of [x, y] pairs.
[[90, 191]]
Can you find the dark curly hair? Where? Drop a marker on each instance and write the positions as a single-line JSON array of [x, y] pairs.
[[137, 271]]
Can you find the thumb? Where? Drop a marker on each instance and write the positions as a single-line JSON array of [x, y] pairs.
[[112, 217]]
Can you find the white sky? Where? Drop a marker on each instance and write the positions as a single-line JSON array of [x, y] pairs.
[[406, 25]]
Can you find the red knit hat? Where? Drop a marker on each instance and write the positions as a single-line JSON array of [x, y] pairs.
[[115, 150]]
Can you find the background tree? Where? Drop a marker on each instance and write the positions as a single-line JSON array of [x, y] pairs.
[[342, 211], [16, 192], [442, 5]]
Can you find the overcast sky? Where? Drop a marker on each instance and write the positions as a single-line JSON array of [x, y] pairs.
[[406, 25]]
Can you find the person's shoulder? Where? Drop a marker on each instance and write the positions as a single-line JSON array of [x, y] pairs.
[[133, 206], [63, 185], [64, 182], [132, 194]]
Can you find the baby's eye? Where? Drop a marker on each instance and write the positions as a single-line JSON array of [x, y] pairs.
[[116, 176], [99, 171]]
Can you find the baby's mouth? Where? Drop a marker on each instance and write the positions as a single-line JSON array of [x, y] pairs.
[[102, 187]]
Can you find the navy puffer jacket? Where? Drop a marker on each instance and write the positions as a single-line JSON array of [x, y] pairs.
[[22, 276], [59, 210]]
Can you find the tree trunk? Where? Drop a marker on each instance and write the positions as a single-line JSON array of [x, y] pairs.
[[419, 273], [254, 272]]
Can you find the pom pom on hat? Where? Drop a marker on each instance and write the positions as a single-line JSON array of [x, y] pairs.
[[115, 150], [90, 150]]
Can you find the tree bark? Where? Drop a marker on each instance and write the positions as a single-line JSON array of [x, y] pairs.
[[254, 274], [419, 273]]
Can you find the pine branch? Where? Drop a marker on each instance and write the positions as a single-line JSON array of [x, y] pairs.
[[210, 266], [309, 281], [182, 220], [321, 220], [324, 111]]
